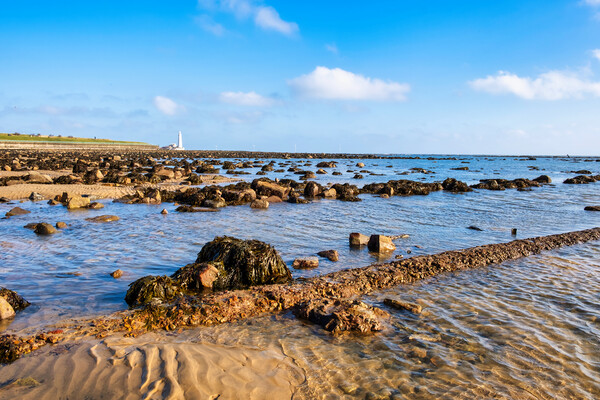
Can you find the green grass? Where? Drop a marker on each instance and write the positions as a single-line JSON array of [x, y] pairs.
[[27, 138]]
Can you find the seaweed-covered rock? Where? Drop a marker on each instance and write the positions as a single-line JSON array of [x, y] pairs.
[[343, 315], [455, 186], [151, 289], [17, 302], [245, 262]]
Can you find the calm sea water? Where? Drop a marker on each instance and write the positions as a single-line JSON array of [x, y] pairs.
[[525, 329]]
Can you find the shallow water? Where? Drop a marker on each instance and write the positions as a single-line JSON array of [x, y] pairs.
[[525, 329]]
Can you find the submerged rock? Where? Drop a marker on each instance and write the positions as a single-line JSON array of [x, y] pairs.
[[151, 289], [305, 263], [17, 211], [103, 218], [245, 262], [402, 305], [343, 315]]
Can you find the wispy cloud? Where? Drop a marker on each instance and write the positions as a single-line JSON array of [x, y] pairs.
[[338, 84], [264, 17], [596, 52], [166, 105], [592, 2], [332, 48], [553, 85], [208, 24], [252, 99]]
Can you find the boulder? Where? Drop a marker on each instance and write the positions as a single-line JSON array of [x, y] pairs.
[[544, 179], [245, 262], [44, 229], [165, 173], [16, 211], [152, 289], [216, 202], [592, 208], [312, 189], [331, 255], [17, 302], [339, 316], [61, 225], [200, 276], [266, 188], [305, 263], [274, 199], [75, 201], [103, 218], [6, 310], [36, 177], [116, 274], [455, 186], [260, 204], [381, 244], [327, 164], [164, 211], [330, 193], [358, 239]]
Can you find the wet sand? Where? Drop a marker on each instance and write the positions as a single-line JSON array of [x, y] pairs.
[[154, 366]]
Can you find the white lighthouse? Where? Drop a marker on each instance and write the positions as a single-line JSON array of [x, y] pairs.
[[180, 142], [178, 146]]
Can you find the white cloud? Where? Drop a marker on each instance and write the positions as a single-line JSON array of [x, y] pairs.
[[264, 17], [592, 2], [245, 99], [332, 48], [553, 85], [596, 52], [325, 83], [208, 24], [268, 18], [166, 105]]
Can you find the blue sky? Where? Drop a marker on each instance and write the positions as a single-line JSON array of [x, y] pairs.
[[511, 77]]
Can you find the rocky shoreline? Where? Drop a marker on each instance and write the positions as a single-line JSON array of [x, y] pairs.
[[309, 296]]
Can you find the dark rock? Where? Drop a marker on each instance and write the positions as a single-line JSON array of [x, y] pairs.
[[95, 206], [164, 211], [150, 289], [402, 305], [327, 164], [452, 185], [357, 176], [312, 190], [331, 255], [592, 208], [44, 229], [338, 316], [245, 262], [474, 228], [36, 197], [582, 179], [544, 179], [195, 209]]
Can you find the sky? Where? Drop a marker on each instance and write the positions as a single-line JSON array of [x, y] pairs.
[[460, 77]]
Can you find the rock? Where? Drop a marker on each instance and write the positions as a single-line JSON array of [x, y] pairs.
[[513, 231], [582, 179], [360, 165], [31, 225], [357, 176], [327, 164], [474, 228], [358, 239], [343, 315], [312, 189], [305, 263], [455, 186], [61, 225], [95, 206], [16, 211], [403, 236], [321, 171], [545, 179], [44, 229], [195, 209], [76, 201], [402, 305], [245, 262], [116, 274], [165, 173], [17, 302], [152, 289], [53, 202], [164, 211], [197, 277], [217, 202], [381, 244], [103, 218], [36, 177], [36, 197], [4, 200], [6, 310], [331, 255], [266, 188], [592, 208], [274, 199], [260, 204], [330, 193]]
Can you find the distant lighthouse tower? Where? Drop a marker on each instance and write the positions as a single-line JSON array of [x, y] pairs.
[[180, 142]]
